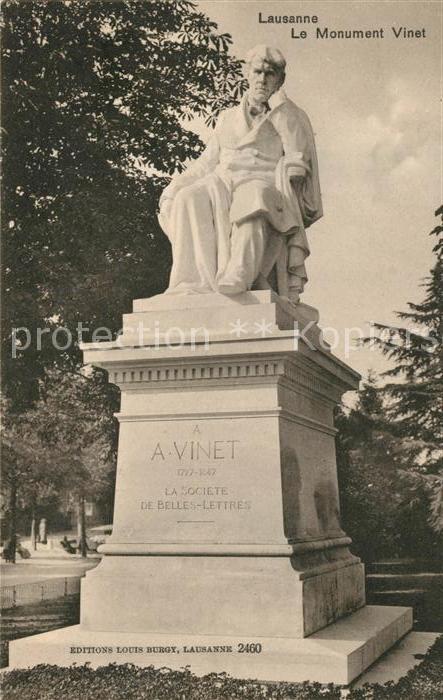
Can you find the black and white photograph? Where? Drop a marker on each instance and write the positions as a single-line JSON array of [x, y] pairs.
[[221, 393]]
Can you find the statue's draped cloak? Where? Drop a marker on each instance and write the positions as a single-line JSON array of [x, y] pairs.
[[269, 169]]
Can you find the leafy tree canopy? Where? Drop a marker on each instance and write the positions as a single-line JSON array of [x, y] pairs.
[[96, 95]]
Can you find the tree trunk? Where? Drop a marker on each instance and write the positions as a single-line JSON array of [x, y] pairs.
[[81, 528], [13, 523], [33, 528]]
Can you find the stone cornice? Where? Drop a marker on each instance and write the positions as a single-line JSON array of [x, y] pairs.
[[295, 372]]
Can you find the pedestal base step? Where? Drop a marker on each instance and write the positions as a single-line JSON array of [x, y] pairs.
[[337, 654]]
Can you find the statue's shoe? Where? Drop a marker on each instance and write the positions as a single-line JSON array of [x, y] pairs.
[[231, 287]]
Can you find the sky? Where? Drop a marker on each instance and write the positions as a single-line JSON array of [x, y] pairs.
[[375, 108]]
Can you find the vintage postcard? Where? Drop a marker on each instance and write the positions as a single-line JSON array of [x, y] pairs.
[[213, 214]]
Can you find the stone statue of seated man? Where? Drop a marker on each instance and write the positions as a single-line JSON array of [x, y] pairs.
[[236, 218]]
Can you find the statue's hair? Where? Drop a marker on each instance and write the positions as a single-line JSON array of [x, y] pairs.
[[269, 54]]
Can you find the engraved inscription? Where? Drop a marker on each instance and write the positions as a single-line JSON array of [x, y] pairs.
[[189, 495]]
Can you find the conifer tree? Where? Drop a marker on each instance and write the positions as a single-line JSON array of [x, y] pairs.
[[373, 470], [389, 445], [415, 400]]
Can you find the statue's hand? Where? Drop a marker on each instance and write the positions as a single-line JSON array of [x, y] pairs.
[[296, 173]]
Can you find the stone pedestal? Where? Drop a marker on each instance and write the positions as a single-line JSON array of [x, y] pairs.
[[226, 522]]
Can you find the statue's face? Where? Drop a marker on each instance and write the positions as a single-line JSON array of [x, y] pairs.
[[263, 80]]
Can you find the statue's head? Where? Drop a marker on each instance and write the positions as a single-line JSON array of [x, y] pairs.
[[265, 67]]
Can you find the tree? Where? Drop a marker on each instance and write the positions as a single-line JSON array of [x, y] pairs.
[[76, 421], [415, 400], [389, 446], [374, 465], [96, 96], [64, 444], [95, 99], [28, 471]]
